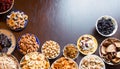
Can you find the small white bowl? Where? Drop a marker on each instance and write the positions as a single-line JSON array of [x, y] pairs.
[[114, 22], [55, 43], [74, 47], [8, 9]]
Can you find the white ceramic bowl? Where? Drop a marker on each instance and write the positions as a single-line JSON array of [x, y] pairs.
[[110, 63], [114, 22], [88, 57], [76, 65], [8, 9], [11, 57], [22, 60], [75, 47], [10, 35], [45, 53]]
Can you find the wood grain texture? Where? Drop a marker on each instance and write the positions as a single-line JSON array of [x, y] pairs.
[[64, 21]]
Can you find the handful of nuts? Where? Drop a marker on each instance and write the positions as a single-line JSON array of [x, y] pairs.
[[51, 49], [28, 43]]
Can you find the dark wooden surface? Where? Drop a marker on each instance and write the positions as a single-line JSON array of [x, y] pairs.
[[64, 21]]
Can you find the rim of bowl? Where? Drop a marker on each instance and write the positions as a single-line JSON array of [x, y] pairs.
[[110, 63], [33, 52], [94, 56], [115, 23], [13, 45], [95, 42], [75, 47], [44, 53], [9, 8], [66, 58], [13, 58], [37, 40]]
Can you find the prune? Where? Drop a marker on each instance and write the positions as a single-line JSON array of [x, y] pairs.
[[105, 26], [4, 41]]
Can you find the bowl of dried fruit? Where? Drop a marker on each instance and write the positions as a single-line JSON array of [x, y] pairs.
[[34, 60], [6, 5], [71, 51], [91, 62], [109, 51], [87, 44], [106, 26], [7, 41], [64, 63], [28, 43], [51, 49], [17, 20], [8, 61]]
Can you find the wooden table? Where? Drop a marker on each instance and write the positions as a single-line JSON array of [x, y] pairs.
[[64, 21]]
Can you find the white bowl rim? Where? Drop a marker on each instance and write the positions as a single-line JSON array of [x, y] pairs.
[[16, 60], [91, 55], [8, 9], [74, 46], [115, 22], [96, 44], [66, 58], [110, 63], [44, 53], [33, 52]]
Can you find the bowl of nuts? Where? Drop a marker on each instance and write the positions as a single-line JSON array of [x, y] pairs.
[[17, 20], [71, 51], [51, 49], [109, 51], [28, 43], [34, 60], [6, 5], [106, 26]]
